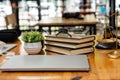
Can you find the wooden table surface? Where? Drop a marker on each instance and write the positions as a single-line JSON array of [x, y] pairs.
[[101, 68], [58, 21], [71, 22], [85, 12]]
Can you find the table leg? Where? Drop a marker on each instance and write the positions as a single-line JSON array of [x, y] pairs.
[[40, 29], [94, 30], [90, 30], [49, 29]]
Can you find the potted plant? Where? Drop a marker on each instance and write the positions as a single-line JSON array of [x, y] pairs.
[[33, 42]]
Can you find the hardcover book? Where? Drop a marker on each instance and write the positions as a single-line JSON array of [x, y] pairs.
[[69, 45], [69, 51], [73, 39]]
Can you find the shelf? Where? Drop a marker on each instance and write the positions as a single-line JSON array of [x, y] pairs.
[[99, 4]]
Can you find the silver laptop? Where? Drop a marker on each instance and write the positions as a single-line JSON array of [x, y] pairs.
[[46, 63]]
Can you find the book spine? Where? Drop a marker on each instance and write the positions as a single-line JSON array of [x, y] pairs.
[[54, 53], [58, 53], [78, 37], [70, 52], [56, 49], [70, 40], [68, 45], [84, 50], [70, 48]]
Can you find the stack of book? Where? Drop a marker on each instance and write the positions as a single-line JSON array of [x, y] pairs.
[[71, 45]]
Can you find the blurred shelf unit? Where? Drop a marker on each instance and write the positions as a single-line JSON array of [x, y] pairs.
[[100, 4], [5, 9], [28, 13], [85, 4], [101, 7], [60, 7]]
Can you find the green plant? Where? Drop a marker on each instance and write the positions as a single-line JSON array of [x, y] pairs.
[[32, 36]]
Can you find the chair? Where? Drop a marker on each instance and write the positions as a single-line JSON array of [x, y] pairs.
[[11, 21], [10, 34]]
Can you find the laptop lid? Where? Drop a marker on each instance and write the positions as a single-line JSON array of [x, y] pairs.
[[46, 63]]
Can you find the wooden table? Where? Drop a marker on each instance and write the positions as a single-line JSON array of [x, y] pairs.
[[101, 68], [58, 21], [87, 11]]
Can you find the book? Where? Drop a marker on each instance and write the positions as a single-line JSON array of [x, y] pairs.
[[69, 45], [52, 53], [69, 51], [6, 48], [73, 39]]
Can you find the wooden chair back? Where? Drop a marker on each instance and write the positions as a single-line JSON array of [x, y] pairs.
[[10, 20]]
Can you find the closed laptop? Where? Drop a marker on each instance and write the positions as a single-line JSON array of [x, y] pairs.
[[46, 63]]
